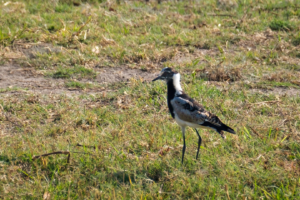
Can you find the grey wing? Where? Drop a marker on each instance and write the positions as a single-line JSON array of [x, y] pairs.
[[187, 111]]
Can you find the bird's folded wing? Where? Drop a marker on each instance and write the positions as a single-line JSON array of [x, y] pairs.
[[192, 112]]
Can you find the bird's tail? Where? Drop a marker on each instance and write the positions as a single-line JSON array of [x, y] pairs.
[[227, 129]]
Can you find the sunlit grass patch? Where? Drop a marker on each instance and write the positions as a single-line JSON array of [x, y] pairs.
[[76, 70], [122, 140], [76, 84], [130, 151]]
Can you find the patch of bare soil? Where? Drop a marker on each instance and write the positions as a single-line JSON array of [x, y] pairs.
[[15, 76], [278, 91], [29, 80], [112, 75], [12, 76], [25, 78]]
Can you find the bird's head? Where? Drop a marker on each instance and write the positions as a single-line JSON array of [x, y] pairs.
[[166, 74]]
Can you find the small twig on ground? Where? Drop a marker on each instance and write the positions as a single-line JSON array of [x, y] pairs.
[[254, 131], [264, 102], [53, 153], [276, 101], [227, 193], [63, 23], [81, 27], [81, 153]]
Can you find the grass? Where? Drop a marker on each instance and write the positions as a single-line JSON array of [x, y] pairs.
[[76, 84], [64, 72], [272, 84], [281, 26], [11, 89], [123, 142], [296, 40]]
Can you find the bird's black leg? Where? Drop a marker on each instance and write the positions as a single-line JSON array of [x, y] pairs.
[[199, 143], [183, 149]]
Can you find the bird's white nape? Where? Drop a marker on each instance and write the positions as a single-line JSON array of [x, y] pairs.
[[176, 83]]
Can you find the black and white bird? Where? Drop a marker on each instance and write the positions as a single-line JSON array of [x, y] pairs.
[[186, 111]]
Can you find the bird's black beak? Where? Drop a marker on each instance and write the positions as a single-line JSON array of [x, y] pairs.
[[157, 78]]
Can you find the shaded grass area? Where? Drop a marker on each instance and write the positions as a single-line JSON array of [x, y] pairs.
[[129, 147]]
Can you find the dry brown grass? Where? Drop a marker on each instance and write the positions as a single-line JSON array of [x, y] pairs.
[[282, 76], [221, 73]]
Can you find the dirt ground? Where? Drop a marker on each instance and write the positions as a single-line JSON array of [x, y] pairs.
[[17, 79], [30, 81], [14, 76], [27, 79]]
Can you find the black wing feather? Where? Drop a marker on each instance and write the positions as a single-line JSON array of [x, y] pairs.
[[211, 121]]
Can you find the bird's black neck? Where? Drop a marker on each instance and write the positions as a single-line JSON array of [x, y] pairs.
[[171, 95]]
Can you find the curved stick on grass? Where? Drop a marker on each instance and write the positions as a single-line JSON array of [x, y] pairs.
[[53, 153]]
